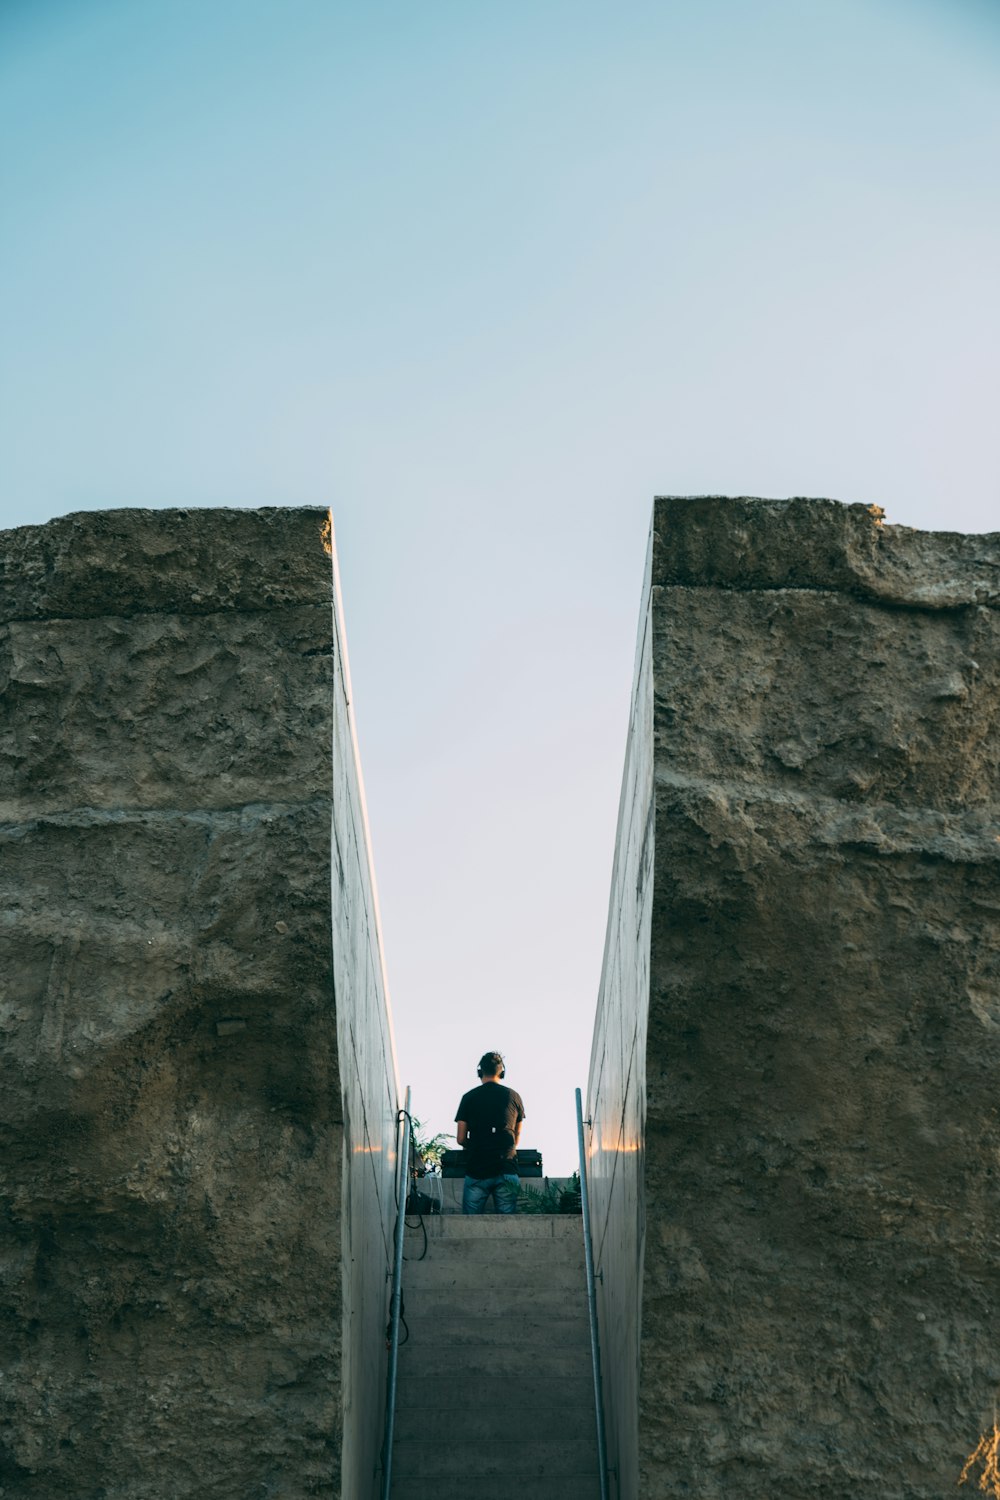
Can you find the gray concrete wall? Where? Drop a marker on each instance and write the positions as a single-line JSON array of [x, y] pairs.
[[173, 1284], [820, 1283], [616, 1091], [370, 1093]]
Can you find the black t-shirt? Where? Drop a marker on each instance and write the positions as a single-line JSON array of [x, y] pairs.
[[491, 1112]]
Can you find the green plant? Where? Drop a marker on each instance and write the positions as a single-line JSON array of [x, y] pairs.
[[553, 1198], [571, 1200], [428, 1149]]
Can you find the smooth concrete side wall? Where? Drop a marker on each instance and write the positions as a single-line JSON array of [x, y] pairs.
[[370, 1097], [616, 1090]]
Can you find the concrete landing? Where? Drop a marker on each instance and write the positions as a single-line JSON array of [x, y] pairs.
[[495, 1387]]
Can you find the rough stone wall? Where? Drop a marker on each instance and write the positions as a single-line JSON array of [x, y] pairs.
[[821, 1283], [172, 1141]]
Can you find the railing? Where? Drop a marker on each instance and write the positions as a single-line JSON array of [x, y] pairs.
[[595, 1346], [396, 1302]]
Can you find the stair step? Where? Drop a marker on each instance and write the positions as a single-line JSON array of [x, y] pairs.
[[508, 1250], [513, 1331], [526, 1388], [498, 1226], [466, 1278], [553, 1360], [510, 1454], [498, 1422], [498, 1487], [495, 1302]]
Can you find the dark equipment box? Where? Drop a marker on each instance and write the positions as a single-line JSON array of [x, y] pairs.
[[529, 1164]]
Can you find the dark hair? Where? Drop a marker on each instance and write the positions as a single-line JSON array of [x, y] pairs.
[[492, 1064]]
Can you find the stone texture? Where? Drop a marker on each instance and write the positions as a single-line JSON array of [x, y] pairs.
[[172, 1285], [100, 711], [118, 563], [821, 1272]]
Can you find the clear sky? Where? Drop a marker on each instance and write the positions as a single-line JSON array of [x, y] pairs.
[[485, 278]]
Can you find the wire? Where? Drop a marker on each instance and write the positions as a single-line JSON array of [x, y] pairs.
[[423, 1227], [388, 1326], [404, 1114]]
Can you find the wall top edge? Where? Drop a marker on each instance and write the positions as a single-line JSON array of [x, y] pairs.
[[739, 542], [92, 564]]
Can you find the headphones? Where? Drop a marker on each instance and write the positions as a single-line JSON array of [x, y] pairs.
[[492, 1063]]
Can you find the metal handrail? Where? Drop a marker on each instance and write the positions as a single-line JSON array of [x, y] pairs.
[[595, 1346], [396, 1302]]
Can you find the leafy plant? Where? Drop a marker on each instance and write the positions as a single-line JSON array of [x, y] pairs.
[[428, 1149], [553, 1198]]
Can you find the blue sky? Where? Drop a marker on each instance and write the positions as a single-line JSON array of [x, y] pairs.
[[486, 278]]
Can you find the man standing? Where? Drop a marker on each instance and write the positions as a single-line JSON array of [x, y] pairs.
[[489, 1127]]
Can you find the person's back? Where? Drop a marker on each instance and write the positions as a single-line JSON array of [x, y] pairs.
[[488, 1128]]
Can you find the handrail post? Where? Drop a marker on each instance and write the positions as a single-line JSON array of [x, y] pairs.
[[395, 1305], [595, 1347]]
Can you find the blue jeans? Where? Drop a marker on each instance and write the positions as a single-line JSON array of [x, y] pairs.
[[477, 1190]]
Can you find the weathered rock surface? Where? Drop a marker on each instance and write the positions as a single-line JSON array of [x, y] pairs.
[[821, 1283], [172, 1129]]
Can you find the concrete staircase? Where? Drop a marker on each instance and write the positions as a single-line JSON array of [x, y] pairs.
[[496, 1394]]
